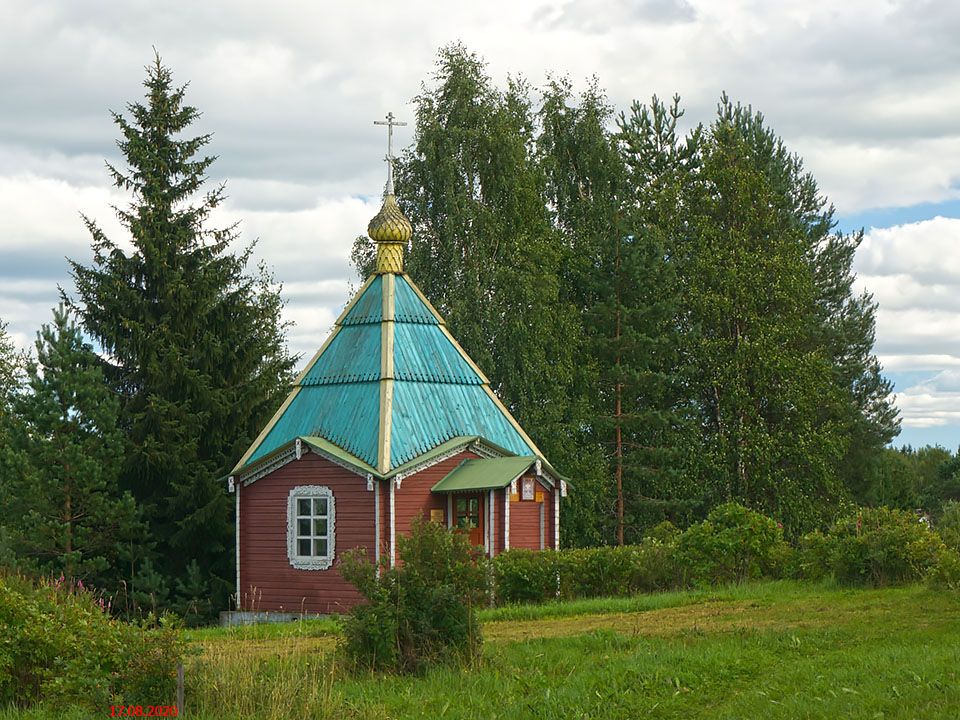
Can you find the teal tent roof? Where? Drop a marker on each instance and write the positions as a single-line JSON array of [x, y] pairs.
[[389, 385]]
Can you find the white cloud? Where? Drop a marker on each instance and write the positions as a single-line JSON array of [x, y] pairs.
[[933, 402], [866, 92], [913, 271]]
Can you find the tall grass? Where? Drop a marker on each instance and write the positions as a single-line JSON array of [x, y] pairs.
[[772, 650], [229, 680]]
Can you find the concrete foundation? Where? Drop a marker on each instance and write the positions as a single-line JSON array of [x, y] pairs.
[[242, 617]]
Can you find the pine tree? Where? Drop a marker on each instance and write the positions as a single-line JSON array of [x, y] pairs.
[[63, 507], [194, 343], [613, 196]]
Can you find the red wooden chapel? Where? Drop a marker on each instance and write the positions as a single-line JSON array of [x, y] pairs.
[[391, 419]]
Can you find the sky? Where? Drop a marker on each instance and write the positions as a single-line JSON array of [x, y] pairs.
[[867, 92]]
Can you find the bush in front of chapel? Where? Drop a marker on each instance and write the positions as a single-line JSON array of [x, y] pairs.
[[421, 612]]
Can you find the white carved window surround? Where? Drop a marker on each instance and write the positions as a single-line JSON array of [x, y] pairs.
[[310, 527]]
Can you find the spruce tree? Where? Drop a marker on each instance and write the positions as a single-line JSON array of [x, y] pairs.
[[613, 197], [193, 342], [63, 508]]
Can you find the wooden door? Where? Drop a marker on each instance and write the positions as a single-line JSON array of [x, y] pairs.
[[468, 516]]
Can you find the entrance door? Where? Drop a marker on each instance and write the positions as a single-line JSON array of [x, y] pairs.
[[468, 516]]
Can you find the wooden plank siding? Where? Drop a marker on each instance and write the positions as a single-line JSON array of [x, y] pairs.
[[525, 524], [525, 520], [414, 496], [267, 581]]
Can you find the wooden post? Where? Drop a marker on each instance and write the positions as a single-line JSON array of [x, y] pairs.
[[179, 689]]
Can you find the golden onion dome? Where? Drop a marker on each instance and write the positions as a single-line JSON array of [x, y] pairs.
[[390, 225]]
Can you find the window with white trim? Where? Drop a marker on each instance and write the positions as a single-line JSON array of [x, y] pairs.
[[310, 527]]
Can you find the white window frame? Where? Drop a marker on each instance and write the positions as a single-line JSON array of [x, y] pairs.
[[310, 562]]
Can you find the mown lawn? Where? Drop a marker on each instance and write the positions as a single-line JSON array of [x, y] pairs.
[[768, 650]]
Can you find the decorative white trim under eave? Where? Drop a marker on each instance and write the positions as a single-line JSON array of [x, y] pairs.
[[506, 518], [556, 524], [289, 455], [236, 538], [393, 525], [275, 463], [376, 523], [310, 563]]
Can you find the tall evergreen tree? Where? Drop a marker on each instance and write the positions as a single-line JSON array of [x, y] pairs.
[[63, 509], [194, 343], [614, 198]]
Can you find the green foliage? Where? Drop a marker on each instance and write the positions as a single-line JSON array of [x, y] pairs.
[[62, 507], [618, 570], [673, 317], [733, 545], [421, 612], [59, 645], [149, 590], [12, 365], [761, 381], [813, 557], [876, 546], [944, 485], [614, 199], [608, 571], [194, 604], [487, 255], [948, 524], [526, 576], [906, 478], [945, 575], [193, 342]]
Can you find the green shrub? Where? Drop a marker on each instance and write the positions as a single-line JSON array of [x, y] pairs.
[[945, 575], [733, 544], [665, 532], [59, 644], [948, 524], [880, 546], [595, 572], [656, 565], [421, 612], [526, 576], [813, 557]]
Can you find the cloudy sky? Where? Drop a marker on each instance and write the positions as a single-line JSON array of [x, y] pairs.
[[866, 91]]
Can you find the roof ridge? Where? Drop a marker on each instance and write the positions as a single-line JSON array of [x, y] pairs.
[[387, 334]]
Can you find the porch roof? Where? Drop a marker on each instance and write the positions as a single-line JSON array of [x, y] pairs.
[[484, 474]]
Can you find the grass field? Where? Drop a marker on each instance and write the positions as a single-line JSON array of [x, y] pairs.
[[767, 650]]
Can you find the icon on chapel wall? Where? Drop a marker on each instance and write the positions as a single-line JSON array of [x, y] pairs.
[[527, 489]]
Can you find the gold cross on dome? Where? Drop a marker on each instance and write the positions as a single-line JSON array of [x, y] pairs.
[[390, 122]]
